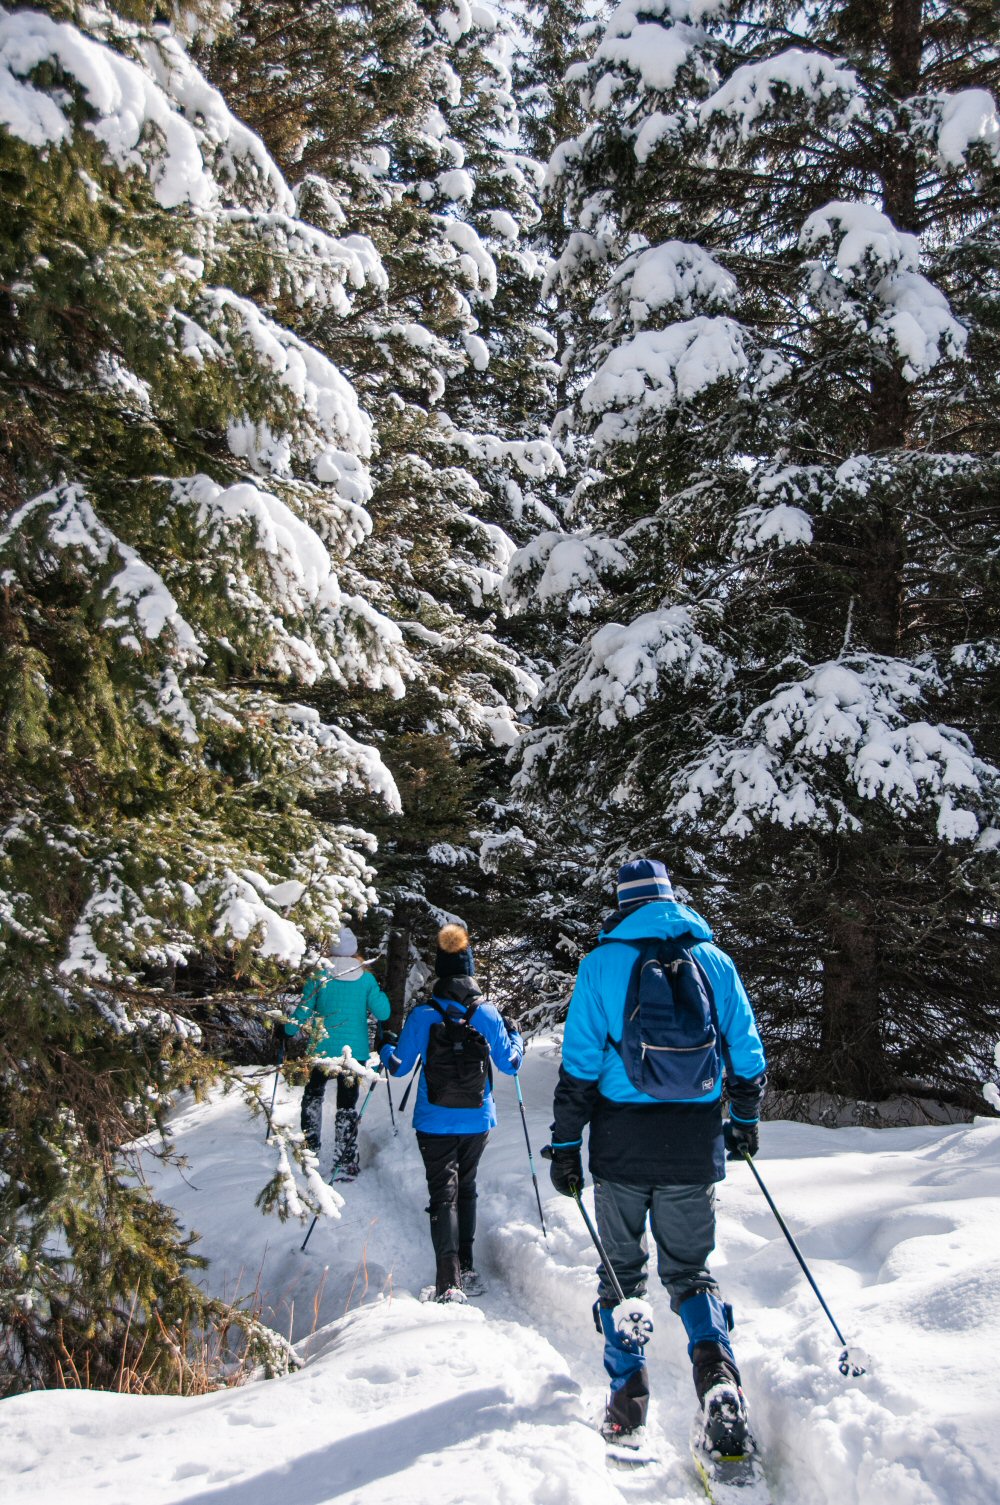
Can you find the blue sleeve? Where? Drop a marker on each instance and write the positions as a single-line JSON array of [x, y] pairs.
[[736, 1016], [586, 1033], [412, 1041], [506, 1049], [378, 1004]]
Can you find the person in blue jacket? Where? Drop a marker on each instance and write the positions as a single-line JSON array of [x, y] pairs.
[[339, 996], [452, 1138], [656, 1159]]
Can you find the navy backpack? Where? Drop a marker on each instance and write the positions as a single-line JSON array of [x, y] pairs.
[[671, 1045]]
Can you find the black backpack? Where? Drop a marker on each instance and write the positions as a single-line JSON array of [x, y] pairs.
[[456, 1061]]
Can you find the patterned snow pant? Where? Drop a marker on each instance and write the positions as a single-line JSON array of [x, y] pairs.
[[346, 1133]]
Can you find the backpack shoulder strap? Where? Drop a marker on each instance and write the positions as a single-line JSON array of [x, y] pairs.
[[641, 944], [433, 1004], [471, 1010], [710, 991]]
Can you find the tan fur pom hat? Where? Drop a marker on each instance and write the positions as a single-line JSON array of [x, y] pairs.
[[454, 954]]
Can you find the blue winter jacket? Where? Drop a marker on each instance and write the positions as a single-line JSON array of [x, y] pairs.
[[506, 1053], [633, 1137], [341, 994]]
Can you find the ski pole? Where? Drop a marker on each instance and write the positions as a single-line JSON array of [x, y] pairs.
[[274, 1094], [409, 1086], [608, 1266], [846, 1364], [531, 1158], [336, 1164], [392, 1115]]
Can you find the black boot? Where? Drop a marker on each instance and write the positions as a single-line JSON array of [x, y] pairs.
[[471, 1283], [717, 1382], [448, 1284], [627, 1409]]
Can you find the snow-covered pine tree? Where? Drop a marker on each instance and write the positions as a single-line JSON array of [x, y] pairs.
[[785, 243], [183, 477], [453, 366], [555, 36]]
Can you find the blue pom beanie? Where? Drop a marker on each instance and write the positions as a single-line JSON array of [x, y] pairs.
[[641, 880]]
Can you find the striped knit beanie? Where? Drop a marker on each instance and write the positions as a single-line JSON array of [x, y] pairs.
[[641, 880]]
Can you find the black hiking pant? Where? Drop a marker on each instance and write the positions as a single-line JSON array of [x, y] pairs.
[[451, 1162], [312, 1103]]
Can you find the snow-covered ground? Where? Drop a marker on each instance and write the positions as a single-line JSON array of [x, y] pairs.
[[399, 1401]]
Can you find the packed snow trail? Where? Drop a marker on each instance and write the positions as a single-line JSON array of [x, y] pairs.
[[495, 1401]]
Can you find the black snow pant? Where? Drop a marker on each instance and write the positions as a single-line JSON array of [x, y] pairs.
[[312, 1107], [451, 1162]]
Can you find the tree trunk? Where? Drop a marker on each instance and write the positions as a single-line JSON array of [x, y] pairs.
[[398, 966], [852, 1057], [852, 1054]]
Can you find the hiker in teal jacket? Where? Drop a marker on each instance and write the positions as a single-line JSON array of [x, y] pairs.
[[339, 996]]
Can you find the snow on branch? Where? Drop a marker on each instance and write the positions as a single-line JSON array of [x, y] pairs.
[[535, 458], [991, 1091], [326, 426], [62, 522], [156, 114], [651, 40], [337, 759], [280, 576], [314, 268], [624, 664], [868, 277], [856, 714], [563, 566], [780, 527], [475, 261], [959, 124], [861, 238], [756, 91], [654, 53], [659, 370], [676, 275]]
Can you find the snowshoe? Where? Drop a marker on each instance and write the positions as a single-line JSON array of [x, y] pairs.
[[627, 1447], [453, 1293], [471, 1283], [725, 1451]]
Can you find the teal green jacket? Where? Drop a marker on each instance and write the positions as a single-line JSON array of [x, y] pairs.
[[341, 995]]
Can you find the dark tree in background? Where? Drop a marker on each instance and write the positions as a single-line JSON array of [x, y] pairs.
[[782, 257]]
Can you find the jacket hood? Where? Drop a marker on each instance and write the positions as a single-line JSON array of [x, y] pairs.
[[463, 990], [343, 968], [659, 920]]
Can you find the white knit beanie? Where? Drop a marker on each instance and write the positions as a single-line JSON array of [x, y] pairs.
[[346, 944]]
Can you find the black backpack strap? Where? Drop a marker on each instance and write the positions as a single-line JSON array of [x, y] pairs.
[[466, 1015]]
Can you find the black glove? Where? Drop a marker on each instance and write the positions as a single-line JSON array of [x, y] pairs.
[[384, 1037], [739, 1137], [276, 1045], [566, 1170], [295, 1046]]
